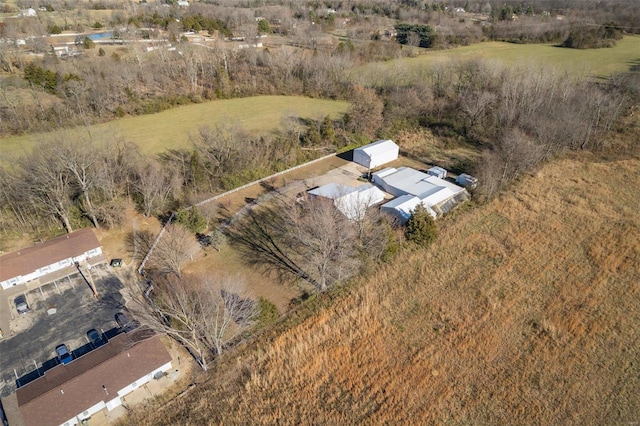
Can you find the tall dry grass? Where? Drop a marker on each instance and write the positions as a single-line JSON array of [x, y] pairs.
[[526, 311]]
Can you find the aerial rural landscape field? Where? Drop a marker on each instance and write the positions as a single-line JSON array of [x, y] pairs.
[[521, 313], [339, 213]]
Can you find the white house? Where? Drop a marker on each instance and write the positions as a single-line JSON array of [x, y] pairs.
[[351, 201], [433, 192], [34, 262], [69, 394], [376, 154]]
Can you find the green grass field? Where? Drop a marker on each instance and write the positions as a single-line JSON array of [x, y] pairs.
[[171, 129], [594, 62]]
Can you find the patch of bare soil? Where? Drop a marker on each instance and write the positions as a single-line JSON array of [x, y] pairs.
[[118, 242]]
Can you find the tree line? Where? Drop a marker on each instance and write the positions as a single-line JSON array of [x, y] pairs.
[[102, 87], [515, 117]]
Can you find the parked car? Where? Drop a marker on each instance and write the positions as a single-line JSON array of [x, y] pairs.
[[125, 324], [63, 353], [21, 304], [95, 338]]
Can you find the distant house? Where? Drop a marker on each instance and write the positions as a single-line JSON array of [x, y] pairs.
[[376, 154], [433, 192], [22, 266], [351, 201], [30, 12], [70, 394]]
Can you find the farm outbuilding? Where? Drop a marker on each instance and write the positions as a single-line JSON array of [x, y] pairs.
[[352, 202], [437, 172], [376, 154], [406, 180], [402, 207], [467, 181], [436, 193]]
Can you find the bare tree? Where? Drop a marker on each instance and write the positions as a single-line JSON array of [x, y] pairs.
[[79, 157], [365, 113], [313, 241], [204, 314], [155, 186], [176, 247], [48, 184]]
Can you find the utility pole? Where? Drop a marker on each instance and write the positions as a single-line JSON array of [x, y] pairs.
[[88, 280]]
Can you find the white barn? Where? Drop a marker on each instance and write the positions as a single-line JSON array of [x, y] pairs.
[[352, 202], [376, 154], [22, 266]]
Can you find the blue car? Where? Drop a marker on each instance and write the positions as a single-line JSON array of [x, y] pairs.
[[63, 353], [94, 338]]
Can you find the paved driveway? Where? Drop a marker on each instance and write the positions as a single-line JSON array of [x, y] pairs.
[[61, 312]]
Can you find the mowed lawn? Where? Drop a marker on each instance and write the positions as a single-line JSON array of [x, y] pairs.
[[172, 128], [593, 62]]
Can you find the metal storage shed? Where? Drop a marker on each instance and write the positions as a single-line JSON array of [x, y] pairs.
[[352, 202], [437, 172], [467, 181], [376, 154]]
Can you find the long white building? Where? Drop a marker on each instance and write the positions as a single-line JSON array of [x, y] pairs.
[[413, 187], [352, 202]]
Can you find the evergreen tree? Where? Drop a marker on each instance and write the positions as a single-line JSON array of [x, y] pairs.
[[421, 228]]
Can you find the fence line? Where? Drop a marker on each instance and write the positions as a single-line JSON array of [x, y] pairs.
[[155, 243], [264, 179], [224, 194]]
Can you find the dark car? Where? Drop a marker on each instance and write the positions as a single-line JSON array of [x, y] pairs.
[[95, 338], [21, 304], [63, 353], [125, 323]]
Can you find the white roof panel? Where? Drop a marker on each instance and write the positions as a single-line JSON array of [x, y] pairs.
[[379, 147], [414, 182], [385, 172], [404, 206], [332, 190]]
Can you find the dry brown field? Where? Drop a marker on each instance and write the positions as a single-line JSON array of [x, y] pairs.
[[525, 311]]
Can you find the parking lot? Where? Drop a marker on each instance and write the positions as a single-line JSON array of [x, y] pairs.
[[60, 312]]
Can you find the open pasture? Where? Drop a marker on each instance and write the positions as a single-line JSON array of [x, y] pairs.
[[590, 62], [172, 129]]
